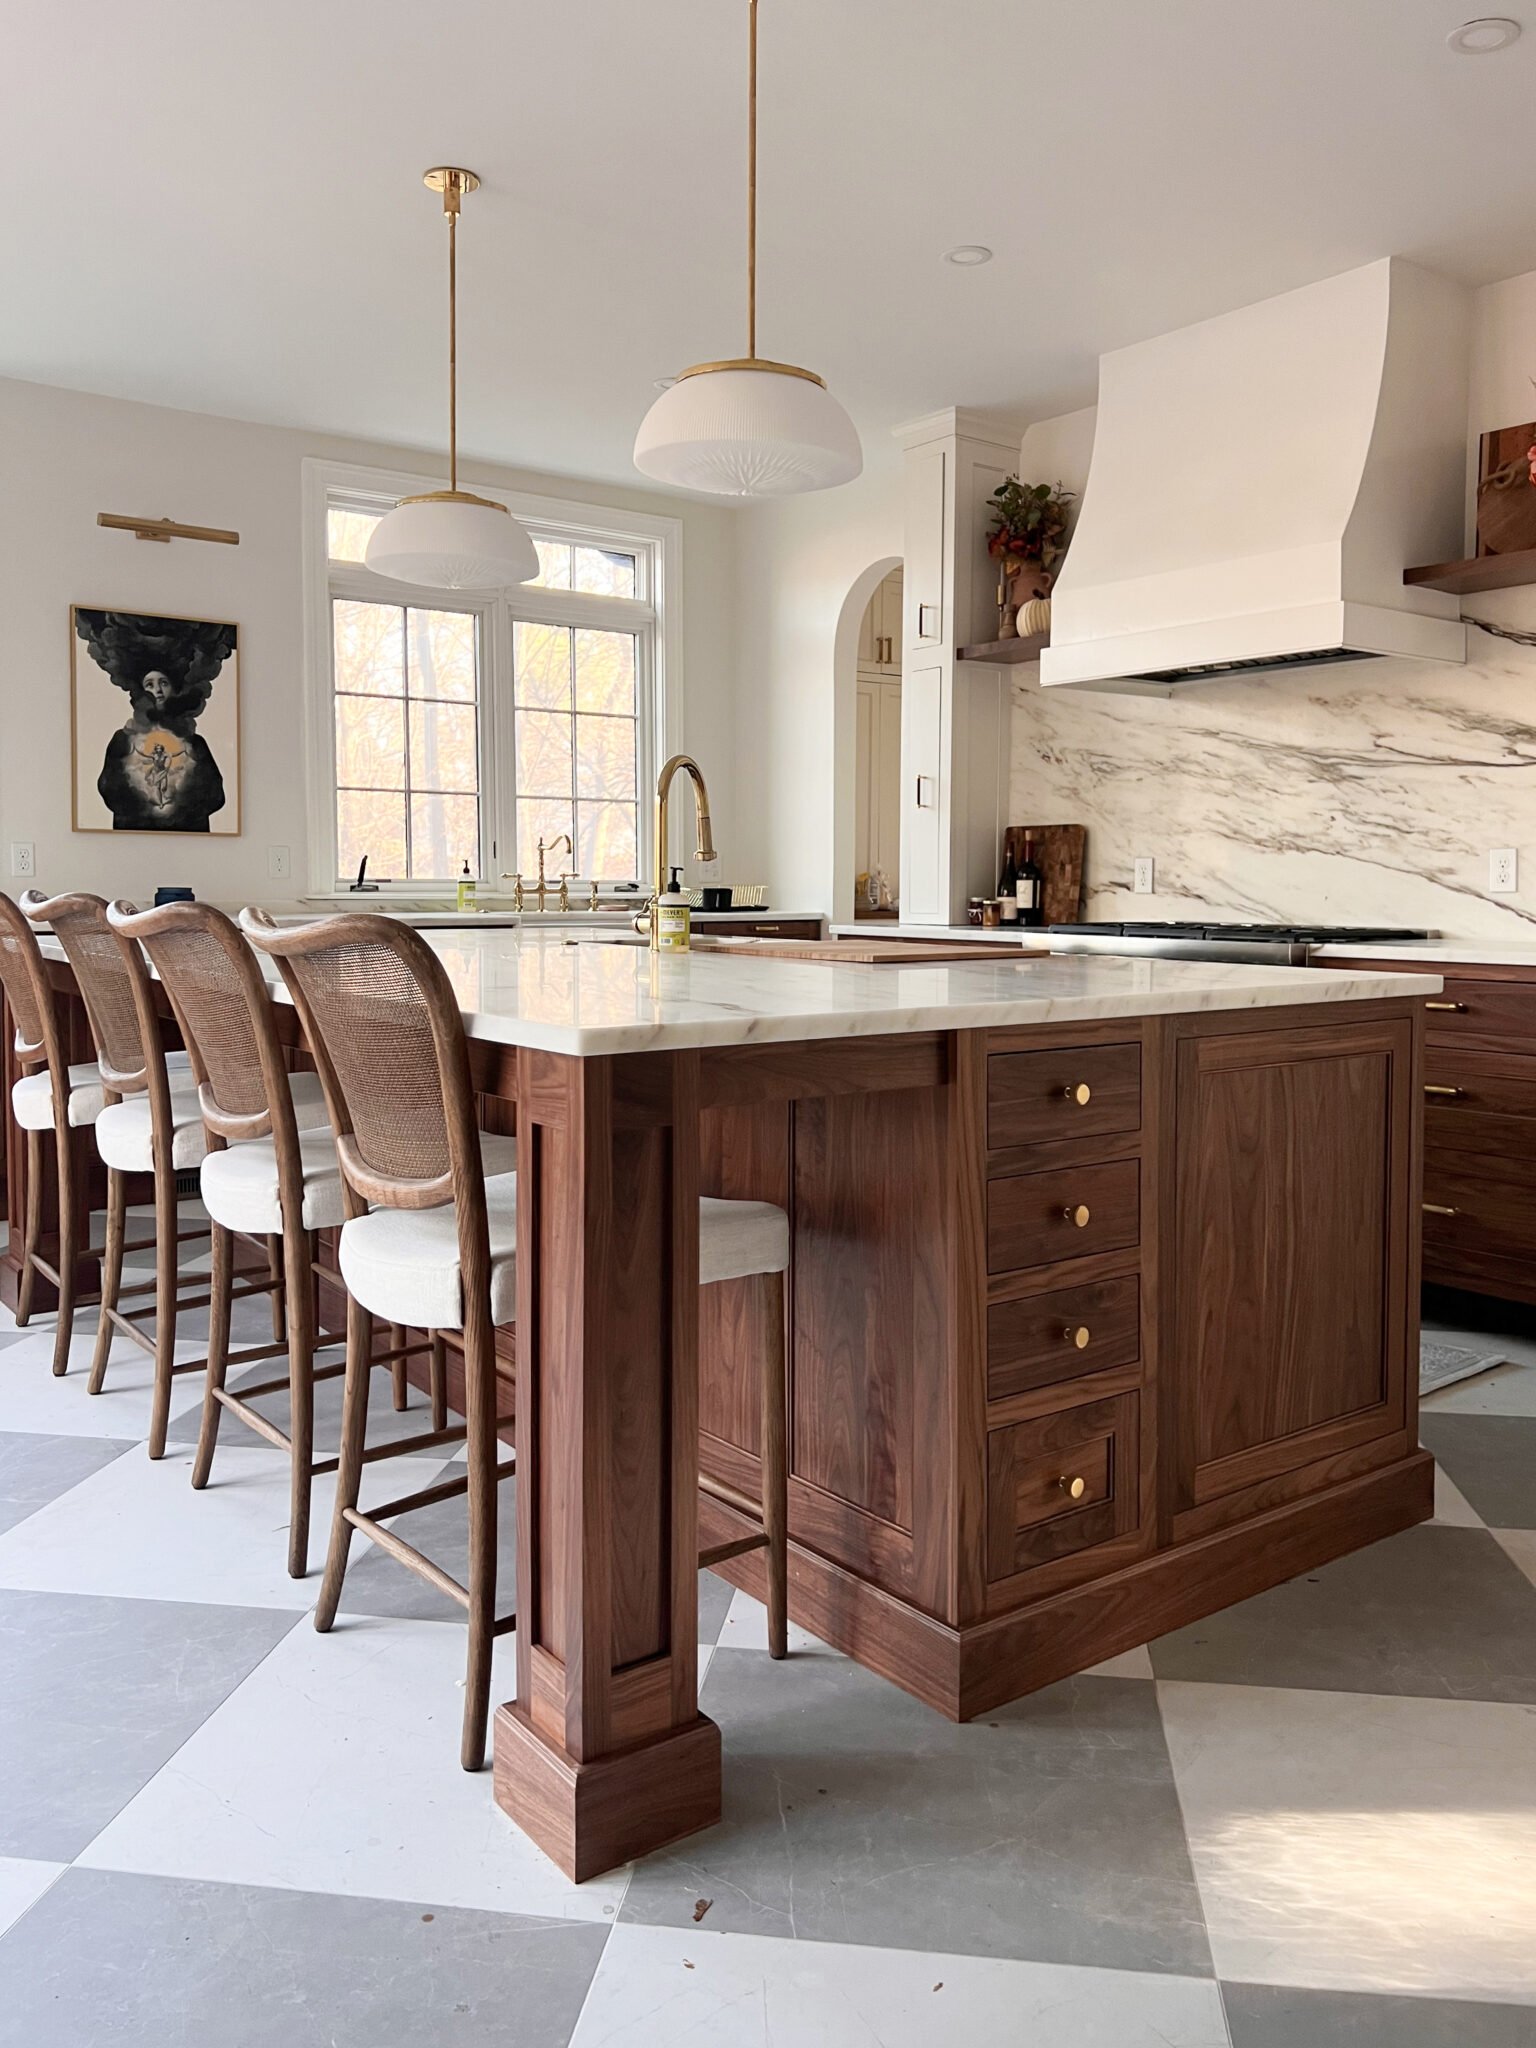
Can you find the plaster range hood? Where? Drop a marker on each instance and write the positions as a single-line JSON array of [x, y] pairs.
[[1260, 481]]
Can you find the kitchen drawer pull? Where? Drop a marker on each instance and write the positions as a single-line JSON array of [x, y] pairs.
[[1078, 1092], [1446, 1006], [1077, 1213], [1438, 1209], [1078, 1335], [1439, 1088], [1074, 1488]]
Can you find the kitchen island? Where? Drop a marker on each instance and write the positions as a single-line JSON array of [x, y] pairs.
[[1103, 1314]]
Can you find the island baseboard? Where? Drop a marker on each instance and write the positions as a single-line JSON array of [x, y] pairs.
[[963, 1672]]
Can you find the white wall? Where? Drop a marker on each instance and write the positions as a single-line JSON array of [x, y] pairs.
[[798, 562], [1370, 793], [65, 456]]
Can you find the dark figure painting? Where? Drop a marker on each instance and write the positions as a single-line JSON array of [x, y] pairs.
[[159, 773]]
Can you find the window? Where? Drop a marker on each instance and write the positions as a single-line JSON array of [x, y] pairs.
[[466, 728]]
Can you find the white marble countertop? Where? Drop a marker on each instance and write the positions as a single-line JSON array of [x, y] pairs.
[[1474, 952]]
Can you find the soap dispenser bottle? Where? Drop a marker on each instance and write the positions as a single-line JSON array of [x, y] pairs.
[[466, 896], [673, 916]]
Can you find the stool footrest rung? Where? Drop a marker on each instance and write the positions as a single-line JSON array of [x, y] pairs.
[[729, 1496], [408, 1555], [719, 1552]]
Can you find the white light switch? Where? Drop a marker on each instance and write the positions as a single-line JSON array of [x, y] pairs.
[[279, 866], [1145, 875], [1503, 871]]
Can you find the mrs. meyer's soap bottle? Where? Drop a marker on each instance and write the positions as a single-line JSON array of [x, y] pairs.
[[673, 916]]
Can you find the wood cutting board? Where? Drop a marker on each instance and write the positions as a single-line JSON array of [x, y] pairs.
[[1060, 853], [859, 952]]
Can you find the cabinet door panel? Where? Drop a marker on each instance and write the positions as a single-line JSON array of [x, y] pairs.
[[1294, 1173]]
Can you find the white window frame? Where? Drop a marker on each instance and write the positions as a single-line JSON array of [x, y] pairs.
[[655, 540]]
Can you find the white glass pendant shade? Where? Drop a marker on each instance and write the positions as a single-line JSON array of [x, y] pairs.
[[452, 541], [746, 431]]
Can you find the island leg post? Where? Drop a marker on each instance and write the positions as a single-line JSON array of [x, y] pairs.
[[604, 1754]]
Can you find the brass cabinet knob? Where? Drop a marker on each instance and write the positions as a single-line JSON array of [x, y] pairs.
[[1438, 1088], [1074, 1488], [1078, 1092], [1078, 1213], [1078, 1334], [1445, 1006], [1438, 1209]]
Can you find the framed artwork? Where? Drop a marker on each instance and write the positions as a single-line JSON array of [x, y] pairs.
[[155, 723]]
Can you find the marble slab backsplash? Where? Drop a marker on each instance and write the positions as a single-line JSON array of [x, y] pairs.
[[1369, 793]]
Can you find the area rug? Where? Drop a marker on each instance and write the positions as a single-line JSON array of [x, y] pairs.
[[1442, 1365]]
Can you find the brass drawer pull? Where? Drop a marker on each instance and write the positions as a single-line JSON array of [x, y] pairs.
[[1078, 1092], [1445, 1006], [1077, 1334], [1077, 1213], [1074, 1488], [1438, 1209], [1439, 1088]]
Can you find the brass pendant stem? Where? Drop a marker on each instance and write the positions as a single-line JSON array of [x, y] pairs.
[[752, 180], [453, 344]]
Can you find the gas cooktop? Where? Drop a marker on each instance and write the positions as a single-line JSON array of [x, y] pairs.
[[1197, 939]]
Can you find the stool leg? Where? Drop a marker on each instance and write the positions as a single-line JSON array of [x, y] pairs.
[[300, 1295], [32, 1229], [775, 1462], [220, 1280], [439, 1382], [111, 1274], [397, 1368], [354, 1436], [166, 1222], [480, 1418], [275, 1273], [69, 1251]]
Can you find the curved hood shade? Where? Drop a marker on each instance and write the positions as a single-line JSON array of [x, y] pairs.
[[749, 428]]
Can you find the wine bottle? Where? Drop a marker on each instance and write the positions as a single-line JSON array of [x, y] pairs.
[[1030, 888], [1008, 887]]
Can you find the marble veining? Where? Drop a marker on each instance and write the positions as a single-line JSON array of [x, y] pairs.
[[1370, 793]]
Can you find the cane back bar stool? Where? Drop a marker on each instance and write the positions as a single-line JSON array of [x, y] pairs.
[[262, 1176], [39, 1104], [429, 1238]]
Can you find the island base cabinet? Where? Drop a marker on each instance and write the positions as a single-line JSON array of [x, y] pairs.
[[1101, 1368]]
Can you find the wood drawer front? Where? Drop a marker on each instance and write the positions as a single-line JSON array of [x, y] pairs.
[[1036, 1098], [1492, 1212], [1031, 1467], [1493, 1095], [1490, 1014], [1028, 1223], [1037, 1342]]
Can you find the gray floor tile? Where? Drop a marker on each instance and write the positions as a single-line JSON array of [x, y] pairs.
[[715, 1598], [37, 1469], [384, 1424], [378, 1584], [98, 1693], [120, 1961], [1276, 2016], [1437, 1612], [1491, 1460], [1049, 1831]]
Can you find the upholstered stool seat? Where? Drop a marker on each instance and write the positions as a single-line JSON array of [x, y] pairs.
[[402, 1265], [125, 1130], [242, 1186], [32, 1095], [738, 1239]]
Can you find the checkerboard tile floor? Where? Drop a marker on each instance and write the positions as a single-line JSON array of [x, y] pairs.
[[1310, 1819]]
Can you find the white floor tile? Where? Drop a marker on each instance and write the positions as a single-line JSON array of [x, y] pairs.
[[663, 1987], [335, 1768], [746, 1628], [1521, 1545], [32, 1399], [22, 1884], [1354, 1842], [1452, 1506], [137, 1529], [1131, 1664]]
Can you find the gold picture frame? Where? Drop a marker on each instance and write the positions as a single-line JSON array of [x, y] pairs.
[[173, 765]]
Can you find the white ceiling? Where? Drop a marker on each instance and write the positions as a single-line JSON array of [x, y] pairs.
[[218, 205]]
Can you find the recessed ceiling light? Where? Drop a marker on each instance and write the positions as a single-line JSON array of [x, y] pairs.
[[1482, 37], [968, 254]]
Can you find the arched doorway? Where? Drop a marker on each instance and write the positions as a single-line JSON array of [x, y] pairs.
[[866, 731]]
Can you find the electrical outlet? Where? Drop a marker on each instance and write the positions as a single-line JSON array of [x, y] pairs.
[[23, 858], [1503, 871], [1145, 883], [279, 867]]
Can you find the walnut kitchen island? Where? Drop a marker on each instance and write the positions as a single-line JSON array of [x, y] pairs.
[[1103, 1314]]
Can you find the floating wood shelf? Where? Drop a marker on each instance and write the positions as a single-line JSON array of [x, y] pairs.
[[1005, 652], [1483, 572]]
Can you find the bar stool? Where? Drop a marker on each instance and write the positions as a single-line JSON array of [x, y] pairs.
[[261, 1177], [151, 1123]]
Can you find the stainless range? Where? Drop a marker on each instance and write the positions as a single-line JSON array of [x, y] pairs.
[[1275, 945]]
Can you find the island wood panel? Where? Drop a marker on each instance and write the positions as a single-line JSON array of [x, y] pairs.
[[1296, 1170]]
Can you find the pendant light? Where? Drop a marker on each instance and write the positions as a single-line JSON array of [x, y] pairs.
[[749, 428], [452, 540]]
